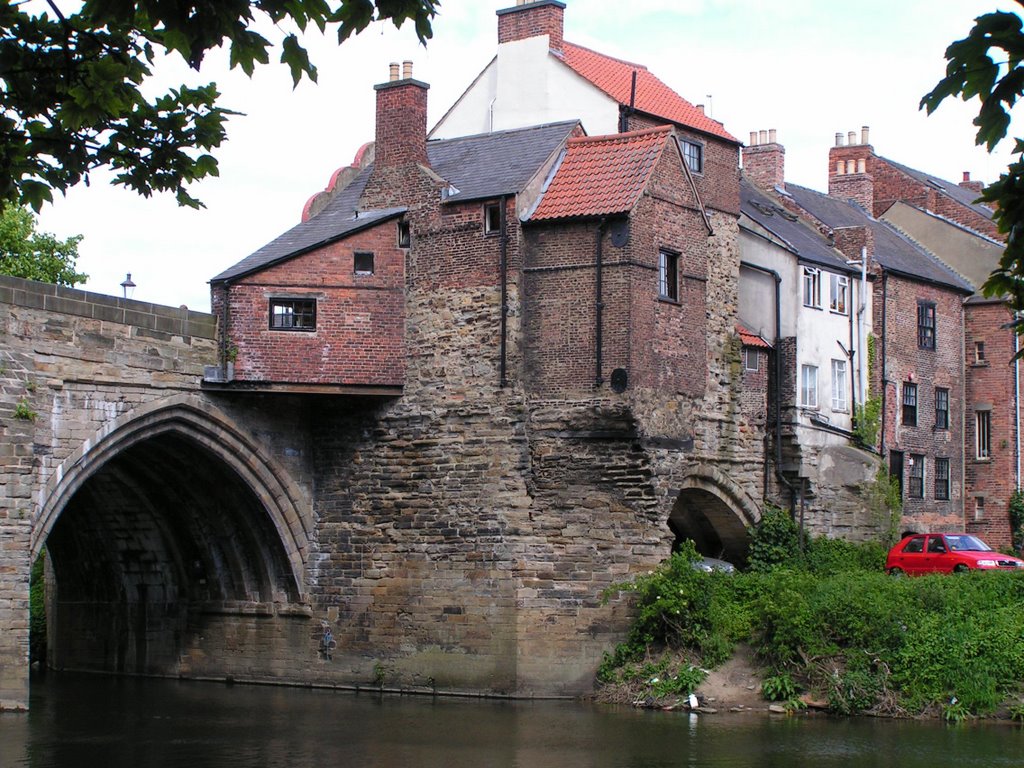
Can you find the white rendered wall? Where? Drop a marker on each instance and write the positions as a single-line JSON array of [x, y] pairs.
[[528, 85]]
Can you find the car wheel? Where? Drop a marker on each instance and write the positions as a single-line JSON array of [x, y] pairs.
[[960, 568], [897, 572]]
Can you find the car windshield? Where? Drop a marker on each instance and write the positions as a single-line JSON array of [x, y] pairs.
[[967, 543]]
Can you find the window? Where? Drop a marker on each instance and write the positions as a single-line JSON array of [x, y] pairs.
[[812, 287], [915, 485], [809, 386], [896, 468], [668, 275], [751, 358], [404, 234], [979, 508], [909, 404], [492, 219], [694, 155], [982, 434], [293, 314], [839, 293], [941, 408], [363, 263], [925, 325], [979, 351], [838, 385], [942, 479], [914, 546]]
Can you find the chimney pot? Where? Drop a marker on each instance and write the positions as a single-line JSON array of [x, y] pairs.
[[839, 139], [840, 166], [851, 138], [851, 166], [862, 165], [753, 138], [762, 137], [406, 70], [393, 71], [864, 135], [967, 175], [772, 136]]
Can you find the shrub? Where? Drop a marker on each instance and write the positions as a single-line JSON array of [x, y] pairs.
[[774, 541]]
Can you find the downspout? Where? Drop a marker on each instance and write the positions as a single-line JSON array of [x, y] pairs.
[[854, 378], [777, 385], [503, 268], [599, 301], [1016, 394]]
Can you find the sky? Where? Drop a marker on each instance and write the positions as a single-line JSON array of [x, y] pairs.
[[807, 68]]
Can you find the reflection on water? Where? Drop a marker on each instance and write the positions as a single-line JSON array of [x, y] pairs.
[[98, 721]]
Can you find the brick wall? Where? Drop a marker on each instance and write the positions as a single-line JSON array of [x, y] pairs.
[[990, 384], [360, 319]]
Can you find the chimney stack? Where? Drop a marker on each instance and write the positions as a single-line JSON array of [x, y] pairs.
[[849, 170], [764, 162], [401, 133], [531, 19], [974, 186]]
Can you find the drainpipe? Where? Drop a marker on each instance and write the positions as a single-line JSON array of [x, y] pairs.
[[777, 386], [599, 301], [1016, 394], [503, 240]]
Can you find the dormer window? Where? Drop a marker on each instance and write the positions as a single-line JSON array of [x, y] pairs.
[[363, 263], [293, 314], [404, 234], [492, 219]]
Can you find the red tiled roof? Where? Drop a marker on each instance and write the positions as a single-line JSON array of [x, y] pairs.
[[615, 77], [602, 175], [751, 339]]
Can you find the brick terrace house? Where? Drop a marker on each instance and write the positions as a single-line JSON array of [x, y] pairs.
[[945, 218], [510, 365]]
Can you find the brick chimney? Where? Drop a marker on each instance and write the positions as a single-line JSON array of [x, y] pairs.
[[764, 160], [401, 135], [974, 186], [531, 19], [849, 170]]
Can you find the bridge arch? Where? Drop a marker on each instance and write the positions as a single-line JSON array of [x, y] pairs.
[[715, 512], [168, 512]]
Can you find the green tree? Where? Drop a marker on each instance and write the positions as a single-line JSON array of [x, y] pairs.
[[36, 255], [986, 65], [73, 85]]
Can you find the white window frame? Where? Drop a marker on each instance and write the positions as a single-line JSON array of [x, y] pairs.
[[809, 386], [812, 287], [839, 294], [839, 386], [751, 359]]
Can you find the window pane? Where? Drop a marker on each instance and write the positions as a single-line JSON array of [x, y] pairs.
[[982, 421], [668, 275], [942, 479], [926, 325], [838, 293], [910, 404], [838, 385], [915, 489], [809, 386], [941, 408], [293, 314]]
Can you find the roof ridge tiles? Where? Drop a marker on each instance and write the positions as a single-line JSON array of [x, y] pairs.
[[621, 137], [598, 53]]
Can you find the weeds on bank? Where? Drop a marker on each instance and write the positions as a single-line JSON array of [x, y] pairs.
[[829, 621]]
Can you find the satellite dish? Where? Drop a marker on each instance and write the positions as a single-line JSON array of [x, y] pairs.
[[620, 380]]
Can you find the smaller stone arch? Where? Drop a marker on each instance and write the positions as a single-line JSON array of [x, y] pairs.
[[715, 512], [194, 418]]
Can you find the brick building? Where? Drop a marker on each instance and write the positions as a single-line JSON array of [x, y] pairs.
[[517, 354]]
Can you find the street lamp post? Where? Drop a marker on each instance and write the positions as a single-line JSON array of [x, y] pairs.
[[128, 287]]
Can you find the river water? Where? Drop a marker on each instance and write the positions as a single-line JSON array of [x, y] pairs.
[[101, 721]]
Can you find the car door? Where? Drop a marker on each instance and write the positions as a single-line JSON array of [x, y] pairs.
[[938, 558], [912, 556]]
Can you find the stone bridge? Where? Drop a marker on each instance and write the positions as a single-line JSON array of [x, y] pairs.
[[196, 532]]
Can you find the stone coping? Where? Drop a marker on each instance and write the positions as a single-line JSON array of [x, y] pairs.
[[72, 301]]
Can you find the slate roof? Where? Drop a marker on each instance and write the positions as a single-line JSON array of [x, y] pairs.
[[807, 243], [750, 339], [482, 166], [962, 195], [602, 175], [895, 252], [615, 77]]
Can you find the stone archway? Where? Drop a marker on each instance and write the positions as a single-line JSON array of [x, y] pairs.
[[715, 513], [158, 527]]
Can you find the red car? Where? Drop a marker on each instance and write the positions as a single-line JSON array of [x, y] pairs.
[[946, 553]]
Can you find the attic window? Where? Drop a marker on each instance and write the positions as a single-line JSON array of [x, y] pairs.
[[694, 154], [404, 235], [492, 219], [363, 263], [293, 314]]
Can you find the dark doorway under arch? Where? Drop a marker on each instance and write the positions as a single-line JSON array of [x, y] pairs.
[[716, 530], [163, 533]]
